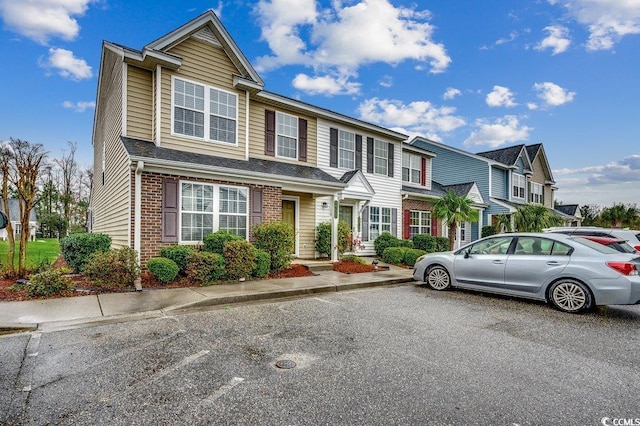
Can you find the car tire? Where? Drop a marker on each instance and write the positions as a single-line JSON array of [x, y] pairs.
[[438, 278], [570, 296]]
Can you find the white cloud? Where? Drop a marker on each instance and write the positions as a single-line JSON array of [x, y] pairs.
[[420, 117], [68, 66], [386, 81], [325, 85], [451, 93], [500, 96], [552, 94], [41, 20], [503, 130], [607, 20], [557, 40], [625, 170], [81, 106], [532, 105], [512, 36], [340, 39]]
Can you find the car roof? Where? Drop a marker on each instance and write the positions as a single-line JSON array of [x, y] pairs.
[[604, 240]]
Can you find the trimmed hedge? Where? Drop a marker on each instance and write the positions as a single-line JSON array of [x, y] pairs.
[[394, 255], [179, 254], [113, 269], [263, 264], [442, 244], [240, 259], [424, 242], [386, 240], [323, 238], [215, 241], [165, 270], [205, 268], [52, 281], [78, 248], [411, 255], [277, 239]]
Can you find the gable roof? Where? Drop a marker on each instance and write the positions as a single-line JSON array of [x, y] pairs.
[[568, 209], [438, 190], [532, 150], [538, 150], [14, 210], [276, 172], [508, 155]]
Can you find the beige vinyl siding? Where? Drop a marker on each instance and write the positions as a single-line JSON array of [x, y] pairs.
[[139, 103], [387, 189], [110, 202], [205, 64], [257, 134], [306, 224], [540, 177]]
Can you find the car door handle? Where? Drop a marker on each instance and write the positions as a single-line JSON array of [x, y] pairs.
[[553, 263], [498, 262]]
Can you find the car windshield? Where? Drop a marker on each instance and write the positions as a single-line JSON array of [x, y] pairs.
[[596, 246]]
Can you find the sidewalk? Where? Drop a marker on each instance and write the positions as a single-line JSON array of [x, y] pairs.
[[51, 314]]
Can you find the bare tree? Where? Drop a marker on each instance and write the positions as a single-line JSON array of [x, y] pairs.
[[69, 168], [6, 156], [27, 160]]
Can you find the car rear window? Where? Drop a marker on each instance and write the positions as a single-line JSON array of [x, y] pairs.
[[622, 247], [596, 246]]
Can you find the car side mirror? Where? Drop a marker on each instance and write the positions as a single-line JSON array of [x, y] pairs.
[[466, 253]]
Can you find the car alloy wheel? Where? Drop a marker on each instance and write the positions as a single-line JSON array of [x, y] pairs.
[[438, 278], [570, 296]]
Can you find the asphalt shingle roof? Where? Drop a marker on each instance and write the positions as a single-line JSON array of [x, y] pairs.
[[145, 149], [507, 156], [568, 209], [438, 190]]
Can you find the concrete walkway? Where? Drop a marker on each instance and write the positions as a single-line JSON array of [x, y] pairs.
[[51, 314]]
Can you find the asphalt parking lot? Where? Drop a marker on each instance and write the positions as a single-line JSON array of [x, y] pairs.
[[393, 355]]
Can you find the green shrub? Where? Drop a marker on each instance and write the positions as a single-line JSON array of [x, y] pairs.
[[442, 244], [411, 255], [165, 270], [424, 242], [240, 259], [205, 268], [394, 255], [113, 269], [179, 254], [384, 241], [488, 230], [277, 239], [263, 264], [77, 248], [405, 243], [323, 239], [46, 283], [353, 258], [214, 242]]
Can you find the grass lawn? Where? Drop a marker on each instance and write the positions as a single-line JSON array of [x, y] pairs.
[[38, 252]]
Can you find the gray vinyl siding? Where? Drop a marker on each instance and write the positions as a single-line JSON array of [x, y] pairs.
[[475, 231], [499, 184], [110, 202]]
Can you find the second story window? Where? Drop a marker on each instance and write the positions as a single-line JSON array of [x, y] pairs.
[[346, 149], [519, 183], [193, 102], [411, 168], [536, 195], [380, 157], [286, 135]]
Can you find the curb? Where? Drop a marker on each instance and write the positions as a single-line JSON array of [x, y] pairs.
[[17, 328]]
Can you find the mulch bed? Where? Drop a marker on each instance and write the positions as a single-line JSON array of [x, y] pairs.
[[351, 267]]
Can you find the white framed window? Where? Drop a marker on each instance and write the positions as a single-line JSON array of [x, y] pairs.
[[380, 157], [536, 194], [17, 229], [519, 184], [206, 208], [286, 135], [204, 112], [379, 221], [411, 168], [420, 222], [346, 149]]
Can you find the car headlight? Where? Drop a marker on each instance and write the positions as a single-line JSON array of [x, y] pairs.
[[421, 258]]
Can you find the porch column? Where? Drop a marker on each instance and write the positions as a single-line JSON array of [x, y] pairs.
[[334, 228]]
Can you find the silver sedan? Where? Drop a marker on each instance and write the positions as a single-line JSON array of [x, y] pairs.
[[572, 273]]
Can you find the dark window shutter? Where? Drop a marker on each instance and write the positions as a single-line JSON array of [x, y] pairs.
[[424, 171], [394, 222], [390, 161], [365, 224], [359, 152], [256, 207], [302, 139], [434, 225], [406, 225], [170, 210], [269, 132], [333, 147], [369, 155], [543, 202]]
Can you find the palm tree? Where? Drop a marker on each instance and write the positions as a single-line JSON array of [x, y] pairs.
[[619, 215], [503, 223], [534, 218], [454, 209]]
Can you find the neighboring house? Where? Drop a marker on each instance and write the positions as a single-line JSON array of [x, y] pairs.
[[419, 192], [505, 178], [570, 213], [187, 141], [14, 216]]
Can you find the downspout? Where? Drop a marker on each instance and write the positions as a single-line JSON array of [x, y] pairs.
[[334, 229], [246, 126], [137, 217]]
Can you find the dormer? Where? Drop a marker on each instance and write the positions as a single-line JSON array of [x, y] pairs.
[[416, 166]]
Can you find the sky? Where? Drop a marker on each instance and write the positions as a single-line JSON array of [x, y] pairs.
[[475, 75]]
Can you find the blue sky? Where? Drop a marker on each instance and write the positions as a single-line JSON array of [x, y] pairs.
[[477, 75]]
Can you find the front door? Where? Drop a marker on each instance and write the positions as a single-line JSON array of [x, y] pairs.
[[346, 214], [289, 216]]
